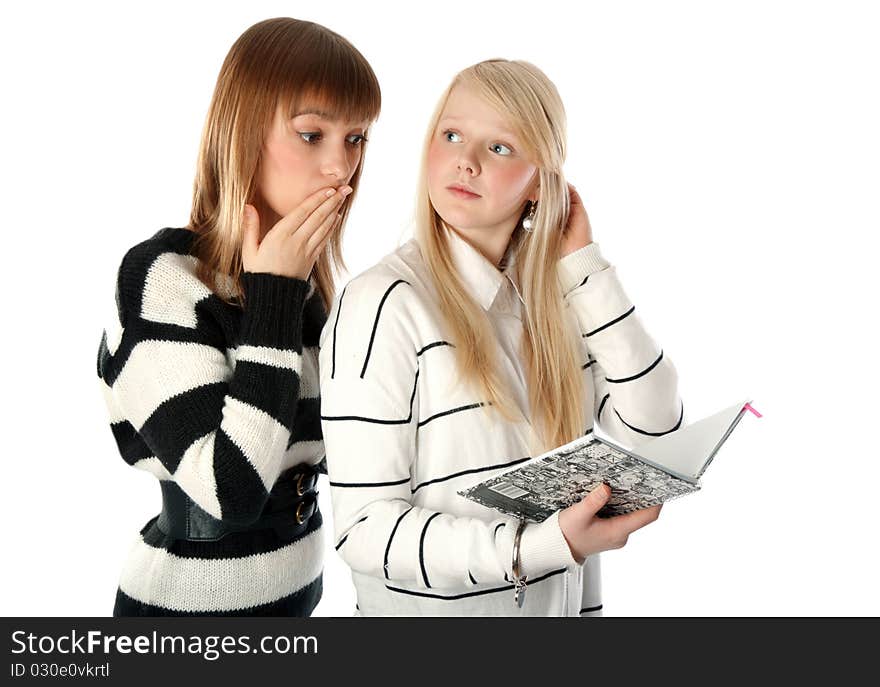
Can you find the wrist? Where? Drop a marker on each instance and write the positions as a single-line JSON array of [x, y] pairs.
[[273, 307], [578, 265], [544, 548], [564, 518]]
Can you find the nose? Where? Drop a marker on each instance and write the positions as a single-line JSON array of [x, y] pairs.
[[467, 162], [336, 164]]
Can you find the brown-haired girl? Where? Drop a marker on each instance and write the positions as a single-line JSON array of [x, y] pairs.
[[211, 375]]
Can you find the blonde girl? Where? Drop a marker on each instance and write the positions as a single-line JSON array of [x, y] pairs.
[[211, 374], [499, 332]]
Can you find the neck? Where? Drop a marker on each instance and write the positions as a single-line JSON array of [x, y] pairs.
[[490, 242]]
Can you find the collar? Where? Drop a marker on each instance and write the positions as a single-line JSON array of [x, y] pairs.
[[480, 277]]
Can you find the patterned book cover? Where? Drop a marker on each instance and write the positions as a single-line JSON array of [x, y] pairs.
[[541, 487]]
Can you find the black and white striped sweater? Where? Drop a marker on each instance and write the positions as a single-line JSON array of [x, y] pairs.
[[220, 400]]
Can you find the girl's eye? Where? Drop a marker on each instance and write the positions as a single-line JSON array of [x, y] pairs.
[[500, 149], [310, 136], [356, 139], [452, 137]]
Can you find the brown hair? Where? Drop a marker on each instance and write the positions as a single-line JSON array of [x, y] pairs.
[[276, 61]]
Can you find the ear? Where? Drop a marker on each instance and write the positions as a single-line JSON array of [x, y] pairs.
[[535, 192]]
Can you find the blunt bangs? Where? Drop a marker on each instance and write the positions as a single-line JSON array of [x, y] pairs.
[[332, 76]]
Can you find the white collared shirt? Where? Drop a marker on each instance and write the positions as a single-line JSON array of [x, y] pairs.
[[403, 434]]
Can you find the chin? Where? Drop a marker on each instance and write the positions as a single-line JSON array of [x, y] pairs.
[[457, 219]]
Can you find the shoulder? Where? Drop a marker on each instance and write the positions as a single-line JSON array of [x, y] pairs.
[[157, 280], [385, 310], [399, 284], [168, 241]]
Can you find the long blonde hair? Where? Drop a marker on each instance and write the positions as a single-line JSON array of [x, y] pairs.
[[276, 61], [528, 100]]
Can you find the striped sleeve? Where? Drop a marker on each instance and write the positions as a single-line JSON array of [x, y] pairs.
[[217, 425], [635, 382], [370, 418], [591, 587]]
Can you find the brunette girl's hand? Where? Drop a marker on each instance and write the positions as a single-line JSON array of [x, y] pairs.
[[291, 247], [578, 232], [587, 534]]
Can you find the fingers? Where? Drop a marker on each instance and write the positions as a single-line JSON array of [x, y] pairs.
[[322, 213], [616, 530], [293, 220], [250, 228], [317, 240], [637, 519], [312, 212], [593, 502]]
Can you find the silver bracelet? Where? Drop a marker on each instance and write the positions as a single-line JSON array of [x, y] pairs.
[[519, 581]]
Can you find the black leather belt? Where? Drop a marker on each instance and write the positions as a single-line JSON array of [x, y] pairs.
[[292, 501]]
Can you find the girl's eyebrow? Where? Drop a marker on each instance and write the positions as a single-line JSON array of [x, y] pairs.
[[317, 113], [331, 118]]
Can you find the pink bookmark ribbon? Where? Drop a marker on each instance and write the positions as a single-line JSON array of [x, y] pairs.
[[748, 406]]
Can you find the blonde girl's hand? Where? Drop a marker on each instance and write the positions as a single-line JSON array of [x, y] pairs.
[[587, 534], [291, 247], [578, 232]]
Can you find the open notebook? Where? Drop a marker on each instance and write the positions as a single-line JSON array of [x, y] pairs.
[[663, 469]]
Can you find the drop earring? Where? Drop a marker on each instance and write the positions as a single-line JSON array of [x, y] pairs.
[[529, 222]]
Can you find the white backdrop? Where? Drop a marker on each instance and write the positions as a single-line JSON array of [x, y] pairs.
[[728, 157]]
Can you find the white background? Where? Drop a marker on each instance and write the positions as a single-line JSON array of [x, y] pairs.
[[729, 157]]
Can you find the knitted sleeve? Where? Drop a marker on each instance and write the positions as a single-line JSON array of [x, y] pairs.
[[213, 415], [370, 384], [635, 382]]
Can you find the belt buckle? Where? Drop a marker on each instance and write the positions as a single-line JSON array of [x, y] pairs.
[[305, 509], [304, 482]]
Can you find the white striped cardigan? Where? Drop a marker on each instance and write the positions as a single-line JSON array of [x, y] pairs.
[[403, 436], [218, 400]]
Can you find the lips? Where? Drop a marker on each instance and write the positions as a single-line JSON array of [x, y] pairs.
[[461, 191]]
